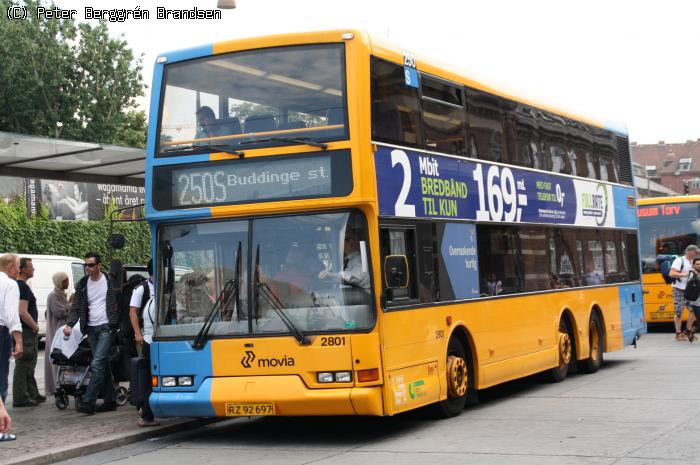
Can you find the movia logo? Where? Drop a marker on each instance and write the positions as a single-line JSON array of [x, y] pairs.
[[285, 361], [248, 359]]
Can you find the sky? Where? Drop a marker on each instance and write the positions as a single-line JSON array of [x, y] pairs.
[[630, 61]]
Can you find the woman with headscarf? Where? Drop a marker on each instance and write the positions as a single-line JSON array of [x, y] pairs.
[[57, 308]]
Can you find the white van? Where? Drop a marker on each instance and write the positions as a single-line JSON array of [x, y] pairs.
[[45, 266]]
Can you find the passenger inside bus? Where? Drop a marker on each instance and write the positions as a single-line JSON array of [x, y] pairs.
[[292, 280], [293, 270], [593, 277], [556, 283], [206, 123], [494, 285], [193, 296]]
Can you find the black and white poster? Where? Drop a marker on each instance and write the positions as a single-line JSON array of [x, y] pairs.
[[80, 201]]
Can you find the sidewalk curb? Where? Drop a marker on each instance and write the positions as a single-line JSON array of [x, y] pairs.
[[111, 441]]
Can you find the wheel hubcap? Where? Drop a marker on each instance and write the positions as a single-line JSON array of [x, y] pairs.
[[456, 376], [564, 349]]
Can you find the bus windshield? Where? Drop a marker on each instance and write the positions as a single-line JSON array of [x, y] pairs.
[[254, 98], [666, 230], [312, 270]]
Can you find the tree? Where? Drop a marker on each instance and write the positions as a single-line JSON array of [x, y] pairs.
[[132, 131], [20, 234], [64, 79]]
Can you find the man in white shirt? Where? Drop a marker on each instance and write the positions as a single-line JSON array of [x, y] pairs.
[[96, 307], [9, 317], [354, 272], [137, 304], [680, 269]]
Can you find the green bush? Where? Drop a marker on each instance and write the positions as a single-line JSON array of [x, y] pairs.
[[19, 234]]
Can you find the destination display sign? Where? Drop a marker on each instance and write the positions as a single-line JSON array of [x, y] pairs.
[[669, 210], [416, 184], [255, 179]]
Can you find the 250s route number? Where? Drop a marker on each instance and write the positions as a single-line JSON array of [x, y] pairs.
[[249, 410]]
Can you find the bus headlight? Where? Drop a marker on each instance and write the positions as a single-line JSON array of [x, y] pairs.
[[334, 376], [343, 376], [169, 381], [184, 381]]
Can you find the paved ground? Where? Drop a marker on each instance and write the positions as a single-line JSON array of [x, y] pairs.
[[642, 408], [46, 434]]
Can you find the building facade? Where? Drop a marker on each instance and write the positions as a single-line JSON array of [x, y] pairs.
[[672, 165]]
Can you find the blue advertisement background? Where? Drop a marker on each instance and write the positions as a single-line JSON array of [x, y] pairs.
[[538, 198], [458, 250]]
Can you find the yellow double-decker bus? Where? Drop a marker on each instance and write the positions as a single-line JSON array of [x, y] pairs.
[[667, 225], [366, 232]]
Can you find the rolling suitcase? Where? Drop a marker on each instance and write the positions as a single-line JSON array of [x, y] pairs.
[[140, 383]]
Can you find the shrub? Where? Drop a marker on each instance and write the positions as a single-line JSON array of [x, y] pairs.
[[21, 235]]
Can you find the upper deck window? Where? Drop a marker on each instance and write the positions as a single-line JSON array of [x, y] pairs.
[[254, 98], [395, 106], [444, 117]]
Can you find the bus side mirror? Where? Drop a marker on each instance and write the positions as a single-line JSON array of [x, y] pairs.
[[396, 271], [116, 241]]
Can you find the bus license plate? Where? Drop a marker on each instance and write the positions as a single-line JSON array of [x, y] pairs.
[[249, 410]]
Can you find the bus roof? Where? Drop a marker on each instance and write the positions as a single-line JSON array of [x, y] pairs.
[[673, 199], [383, 49]]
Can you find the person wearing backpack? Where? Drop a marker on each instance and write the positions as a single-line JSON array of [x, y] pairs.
[[139, 297], [680, 269], [663, 265], [692, 294], [142, 324]]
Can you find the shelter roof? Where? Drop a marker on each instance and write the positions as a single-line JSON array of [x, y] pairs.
[[40, 157]]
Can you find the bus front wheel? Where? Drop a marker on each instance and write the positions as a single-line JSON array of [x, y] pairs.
[[564, 353], [459, 380], [595, 341]]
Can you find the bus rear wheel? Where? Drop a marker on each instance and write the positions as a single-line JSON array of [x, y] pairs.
[[459, 380], [595, 341], [564, 353]]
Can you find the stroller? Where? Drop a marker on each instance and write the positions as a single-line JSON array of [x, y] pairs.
[[73, 374]]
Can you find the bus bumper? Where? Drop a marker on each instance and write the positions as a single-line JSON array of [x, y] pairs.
[[288, 393]]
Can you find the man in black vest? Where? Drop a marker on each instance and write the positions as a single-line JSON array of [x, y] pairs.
[[96, 307]]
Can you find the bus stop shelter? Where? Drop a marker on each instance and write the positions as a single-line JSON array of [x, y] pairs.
[[45, 158]]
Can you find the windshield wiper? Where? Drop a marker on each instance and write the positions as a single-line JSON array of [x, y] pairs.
[[239, 268], [218, 147], [224, 300], [229, 293], [261, 288], [297, 140]]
